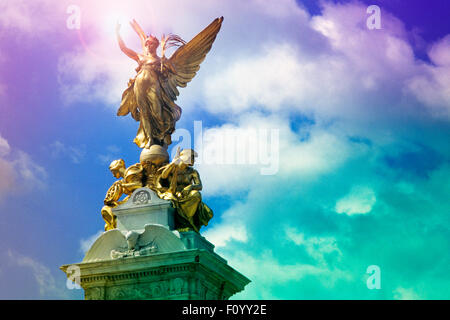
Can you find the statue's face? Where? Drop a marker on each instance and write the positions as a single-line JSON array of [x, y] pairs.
[[117, 173], [187, 158], [184, 163], [151, 43]]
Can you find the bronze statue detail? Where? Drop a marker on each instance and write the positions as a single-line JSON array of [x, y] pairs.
[[132, 180], [150, 96], [176, 181], [180, 182]]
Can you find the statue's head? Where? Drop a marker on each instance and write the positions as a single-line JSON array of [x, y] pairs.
[[151, 43], [117, 168], [187, 157]]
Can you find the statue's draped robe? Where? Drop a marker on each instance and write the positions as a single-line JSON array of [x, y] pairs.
[[157, 112], [192, 212]]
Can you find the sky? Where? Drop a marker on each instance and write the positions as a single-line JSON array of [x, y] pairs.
[[343, 130]]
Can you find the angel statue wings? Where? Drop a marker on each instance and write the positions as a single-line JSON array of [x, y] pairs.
[[151, 95]]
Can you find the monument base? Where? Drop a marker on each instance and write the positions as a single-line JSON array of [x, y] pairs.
[[146, 260], [190, 274]]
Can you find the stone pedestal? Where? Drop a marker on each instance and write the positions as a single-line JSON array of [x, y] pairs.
[[145, 258]]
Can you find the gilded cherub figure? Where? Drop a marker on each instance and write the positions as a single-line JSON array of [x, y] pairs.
[[132, 179], [180, 182]]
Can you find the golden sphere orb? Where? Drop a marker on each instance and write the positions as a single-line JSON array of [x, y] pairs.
[[156, 154]]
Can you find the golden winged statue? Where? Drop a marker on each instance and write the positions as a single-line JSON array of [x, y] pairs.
[[151, 95]]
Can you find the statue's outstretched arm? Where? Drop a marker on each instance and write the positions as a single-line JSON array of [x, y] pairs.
[[130, 53], [140, 32], [130, 185]]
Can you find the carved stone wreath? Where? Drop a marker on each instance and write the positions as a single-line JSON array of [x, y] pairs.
[[141, 197]]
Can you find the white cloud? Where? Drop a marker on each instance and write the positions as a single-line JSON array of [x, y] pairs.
[[432, 85], [18, 171], [75, 154], [87, 77], [266, 268], [281, 78], [307, 154], [360, 200], [358, 76], [42, 274], [16, 15], [317, 247], [271, 79], [440, 52], [4, 147], [405, 294], [31, 174], [266, 272], [34, 18], [386, 58], [224, 233]]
